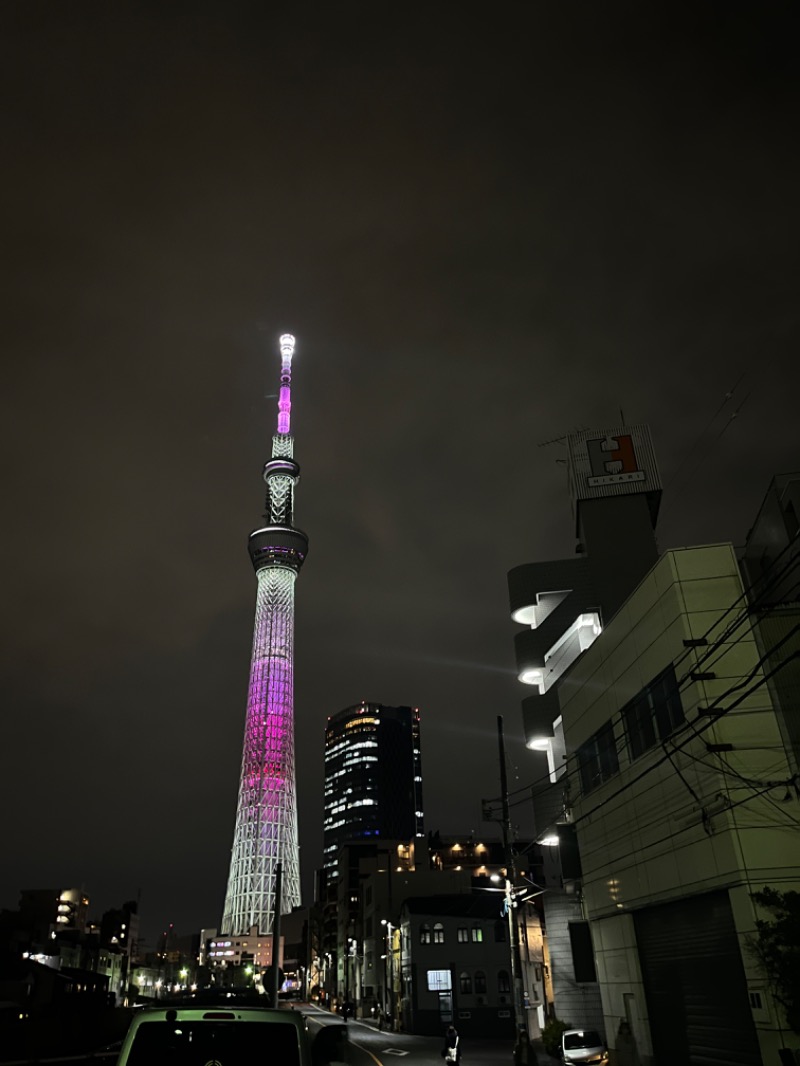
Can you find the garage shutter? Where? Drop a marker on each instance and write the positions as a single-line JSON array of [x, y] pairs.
[[695, 984]]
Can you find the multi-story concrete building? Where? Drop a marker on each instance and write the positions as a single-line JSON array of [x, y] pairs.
[[673, 765], [564, 604], [677, 777], [452, 959], [382, 881], [771, 567]]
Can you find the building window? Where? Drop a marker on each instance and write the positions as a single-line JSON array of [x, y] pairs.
[[425, 934], [465, 984], [597, 759], [463, 934], [477, 934], [499, 932], [503, 982], [438, 933], [580, 939], [439, 981], [480, 982], [655, 713]]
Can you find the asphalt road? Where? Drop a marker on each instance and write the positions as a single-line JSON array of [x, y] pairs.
[[369, 1045]]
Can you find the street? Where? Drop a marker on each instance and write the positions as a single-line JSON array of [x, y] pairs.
[[370, 1045]]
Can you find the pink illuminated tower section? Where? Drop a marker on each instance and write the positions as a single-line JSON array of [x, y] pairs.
[[266, 815]]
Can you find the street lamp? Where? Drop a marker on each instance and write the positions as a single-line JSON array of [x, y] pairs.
[[327, 966], [350, 948], [389, 956]]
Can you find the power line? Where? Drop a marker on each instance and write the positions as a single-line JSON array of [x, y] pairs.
[[720, 645], [712, 721], [699, 440], [573, 773], [683, 829]]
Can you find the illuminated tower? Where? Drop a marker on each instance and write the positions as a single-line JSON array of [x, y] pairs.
[[266, 815]]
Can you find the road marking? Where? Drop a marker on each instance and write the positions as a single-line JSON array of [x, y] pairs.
[[393, 1051]]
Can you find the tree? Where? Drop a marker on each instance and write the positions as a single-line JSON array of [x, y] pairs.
[[776, 945]]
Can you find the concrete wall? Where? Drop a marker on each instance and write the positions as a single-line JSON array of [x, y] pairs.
[[576, 1003]]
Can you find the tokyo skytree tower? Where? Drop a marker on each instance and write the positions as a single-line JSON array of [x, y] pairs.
[[266, 815]]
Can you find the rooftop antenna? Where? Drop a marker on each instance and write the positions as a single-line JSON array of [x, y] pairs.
[[562, 438], [285, 395]]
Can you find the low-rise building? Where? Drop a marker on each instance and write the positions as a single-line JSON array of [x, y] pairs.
[[455, 965]]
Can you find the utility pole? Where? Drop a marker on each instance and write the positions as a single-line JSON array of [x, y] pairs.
[[520, 1019], [276, 935]]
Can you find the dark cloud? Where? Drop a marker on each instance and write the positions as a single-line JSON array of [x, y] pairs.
[[485, 230]]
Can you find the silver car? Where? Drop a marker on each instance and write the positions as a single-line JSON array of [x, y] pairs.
[[584, 1046]]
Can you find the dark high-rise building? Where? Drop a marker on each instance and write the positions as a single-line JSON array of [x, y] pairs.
[[373, 777]]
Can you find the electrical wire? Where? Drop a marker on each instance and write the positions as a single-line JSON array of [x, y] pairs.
[[652, 766], [693, 447], [720, 645], [619, 858], [571, 774]]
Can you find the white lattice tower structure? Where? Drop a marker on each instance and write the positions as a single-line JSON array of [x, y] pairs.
[[266, 815]]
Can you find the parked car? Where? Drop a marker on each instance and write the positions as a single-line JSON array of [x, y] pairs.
[[584, 1046], [229, 1033]]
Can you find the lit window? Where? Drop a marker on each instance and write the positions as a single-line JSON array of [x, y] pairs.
[[439, 981], [438, 933], [477, 934], [425, 934]]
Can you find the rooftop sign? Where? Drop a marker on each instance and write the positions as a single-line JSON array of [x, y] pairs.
[[611, 462]]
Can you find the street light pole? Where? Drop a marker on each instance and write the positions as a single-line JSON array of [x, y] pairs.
[[276, 935], [511, 876], [389, 1002]]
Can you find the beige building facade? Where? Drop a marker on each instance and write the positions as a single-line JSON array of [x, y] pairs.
[[682, 792]]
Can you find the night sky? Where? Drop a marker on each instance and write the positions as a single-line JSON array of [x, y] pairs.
[[486, 225]]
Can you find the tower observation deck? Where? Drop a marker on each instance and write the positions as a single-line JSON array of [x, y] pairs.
[[266, 813]]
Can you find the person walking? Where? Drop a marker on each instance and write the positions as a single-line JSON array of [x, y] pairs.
[[627, 1053], [451, 1052], [524, 1051]]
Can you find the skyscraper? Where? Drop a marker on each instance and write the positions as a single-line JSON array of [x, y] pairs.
[[373, 777], [266, 815]]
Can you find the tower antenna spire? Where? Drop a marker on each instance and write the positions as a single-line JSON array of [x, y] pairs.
[[285, 397]]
